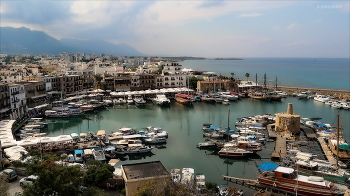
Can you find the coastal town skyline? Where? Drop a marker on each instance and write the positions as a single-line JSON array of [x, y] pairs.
[[194, 28]]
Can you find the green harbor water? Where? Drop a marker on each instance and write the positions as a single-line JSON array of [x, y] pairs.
[[184, 125]]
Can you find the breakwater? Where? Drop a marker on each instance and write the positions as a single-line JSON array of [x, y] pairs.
[[339, 94]]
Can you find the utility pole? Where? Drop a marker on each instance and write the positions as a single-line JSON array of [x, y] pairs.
[[1, 154]]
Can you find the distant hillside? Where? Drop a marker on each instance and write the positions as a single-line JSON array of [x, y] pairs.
[[25, 41], [101, 46]]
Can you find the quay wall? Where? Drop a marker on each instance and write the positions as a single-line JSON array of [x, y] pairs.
[[339, 94]]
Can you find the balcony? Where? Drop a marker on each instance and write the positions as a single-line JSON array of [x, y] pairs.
[[15, 93]]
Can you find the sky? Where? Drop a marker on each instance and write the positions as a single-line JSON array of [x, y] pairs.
[[299, 28]]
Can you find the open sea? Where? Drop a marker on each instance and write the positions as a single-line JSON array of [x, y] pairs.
[[322, 73], [184, 123]]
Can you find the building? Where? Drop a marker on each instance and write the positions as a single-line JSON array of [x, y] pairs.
[[4, 101], [217, 85], [34, 91], [173, 76], [136, 173], [17, 100], [143, 81]]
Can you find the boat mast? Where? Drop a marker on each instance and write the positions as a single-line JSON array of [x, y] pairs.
[[276, 82], [265, 81], [256, 81], [228, 125], [337, 140]]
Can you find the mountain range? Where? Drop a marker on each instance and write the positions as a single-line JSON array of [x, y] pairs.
[[25, 41]]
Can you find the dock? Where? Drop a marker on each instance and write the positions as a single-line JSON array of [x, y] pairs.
[[270, 130], [327, 152], [309, 133], [242, 181], [280, 147]]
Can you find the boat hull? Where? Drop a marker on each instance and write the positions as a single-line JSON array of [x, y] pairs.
[[295, 189]]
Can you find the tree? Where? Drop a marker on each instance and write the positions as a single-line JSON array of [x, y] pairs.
[[98, 78], [97, 172], [232, 75], [54, 179], [247, 75], [193, 82], [4, 186]]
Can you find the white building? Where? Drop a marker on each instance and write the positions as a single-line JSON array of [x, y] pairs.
[[17, 99], [173, 76]]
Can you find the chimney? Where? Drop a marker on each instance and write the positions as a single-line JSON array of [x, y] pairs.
[[290, 108]]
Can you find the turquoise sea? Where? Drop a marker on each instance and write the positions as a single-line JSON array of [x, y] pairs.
[[323, 73], [184, 123]]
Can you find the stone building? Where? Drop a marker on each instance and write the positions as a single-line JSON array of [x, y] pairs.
[[288, 122], [223, 85]]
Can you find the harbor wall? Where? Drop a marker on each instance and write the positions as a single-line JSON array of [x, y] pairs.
[[339, 94]]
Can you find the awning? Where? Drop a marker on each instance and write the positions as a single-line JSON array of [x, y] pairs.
[[268, 166], [39, 96]]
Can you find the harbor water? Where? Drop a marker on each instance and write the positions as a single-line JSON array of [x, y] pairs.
[[184, 125]]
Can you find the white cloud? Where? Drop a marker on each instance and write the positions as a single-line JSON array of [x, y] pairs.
[[291, 26], [276, 27], [249, 15]]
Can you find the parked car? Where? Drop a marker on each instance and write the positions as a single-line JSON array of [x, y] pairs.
[[11, 174], [28, 180]]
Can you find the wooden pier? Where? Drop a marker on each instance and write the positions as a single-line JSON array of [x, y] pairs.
[[270, 130], [328, 153], [280, 147], [242, 181]]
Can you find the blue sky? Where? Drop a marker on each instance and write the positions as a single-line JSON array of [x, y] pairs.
[[194, 28]]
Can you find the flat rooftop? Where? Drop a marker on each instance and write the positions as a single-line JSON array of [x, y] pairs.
[[144, 170]]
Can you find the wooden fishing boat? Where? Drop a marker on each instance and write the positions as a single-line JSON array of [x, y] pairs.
[[183, 99], [288, 180]]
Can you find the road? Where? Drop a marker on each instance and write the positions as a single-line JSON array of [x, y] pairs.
[[15, 187]]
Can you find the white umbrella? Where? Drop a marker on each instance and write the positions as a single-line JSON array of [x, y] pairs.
[[6, 137], [8, 143], [45, 140], [63, 138], [26, 142]]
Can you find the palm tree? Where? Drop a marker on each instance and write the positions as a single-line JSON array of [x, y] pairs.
[[232, 74], [247, 75], [98, 78]]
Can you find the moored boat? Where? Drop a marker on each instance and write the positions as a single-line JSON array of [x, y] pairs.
[[288, 180], [183, 99], [161, 100], [234, 152]]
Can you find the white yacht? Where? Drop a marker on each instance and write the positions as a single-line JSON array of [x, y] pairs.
[[161, 100], [302, 95], [229, 96], [130, 101], [98, 154]]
